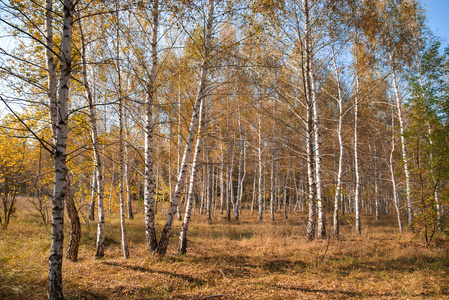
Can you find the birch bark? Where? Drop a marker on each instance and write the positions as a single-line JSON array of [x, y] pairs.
[[308, 78], [202, 92], [150, 230], [190, 196], [54, 290], [259, 157], [124, 241], [393, 178], [98, 170], [403, 142], [356, 155], [338, 188]]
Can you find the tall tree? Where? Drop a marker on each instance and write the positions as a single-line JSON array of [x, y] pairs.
[[55, 290], [150, 230], [202, 92]]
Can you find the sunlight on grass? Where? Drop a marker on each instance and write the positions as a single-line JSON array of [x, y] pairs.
[[229, 260]]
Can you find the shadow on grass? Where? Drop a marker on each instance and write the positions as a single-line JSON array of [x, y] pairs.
[[190, 279], [269, 265], [345, 294], [331, 293], [85, 294], [17, 287], [403, 265]]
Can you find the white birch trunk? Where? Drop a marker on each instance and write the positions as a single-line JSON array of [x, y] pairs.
[[311, 223], [92, 197], [202, 92], [285, 193], [230, 185], [150, 230], [129, 208], [403, 143], [358, 230], [55, 290], [124, 240], [318, 169], [178, 208], [98, 170], [208, 181], [393, 178], [259, 157], [357, 203], [125, 248], [51, 67], [254, 195], [128, 182], [376, 181], [222, 181], [190, 196], [338, 188], [242, 174]]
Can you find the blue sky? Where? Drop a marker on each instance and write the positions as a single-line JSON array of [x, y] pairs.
[[438, 18]]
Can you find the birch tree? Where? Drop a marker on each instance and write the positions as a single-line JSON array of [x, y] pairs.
[[98, 181], [202, 92], [150, 230], [182, 249], [55, 290]]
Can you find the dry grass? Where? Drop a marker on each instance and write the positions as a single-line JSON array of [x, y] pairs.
[[230, 260]]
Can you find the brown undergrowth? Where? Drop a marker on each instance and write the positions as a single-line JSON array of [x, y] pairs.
[[230, 260]]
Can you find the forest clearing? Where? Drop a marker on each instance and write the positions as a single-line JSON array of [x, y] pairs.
[[231, 260], [201, 149]]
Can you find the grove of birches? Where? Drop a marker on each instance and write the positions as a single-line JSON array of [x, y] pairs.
[[221, 108]]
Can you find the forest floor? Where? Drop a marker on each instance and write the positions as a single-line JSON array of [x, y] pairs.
[[230, 260]]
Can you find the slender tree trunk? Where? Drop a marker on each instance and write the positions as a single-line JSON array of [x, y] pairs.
[[124, 243], [111, 190], [403, 143], [208, 181], [92, 199], [285, 193], [128, 181], [259, 156], [55, 290], [190, 196], [357, 203], [98, 180], [75, 227], [242, 174], [202, 92], [272, 187], [51, 67], [178, 208], [150, 230], [230, 185], [222, 181], [393, 178], [338, 188], [125, 248], [254, 195], [308, 78], [170, 174], [376, 181], [318, 168]]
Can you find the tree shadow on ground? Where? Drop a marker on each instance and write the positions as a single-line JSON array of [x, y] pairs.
[[189, 278], [408, 264]]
